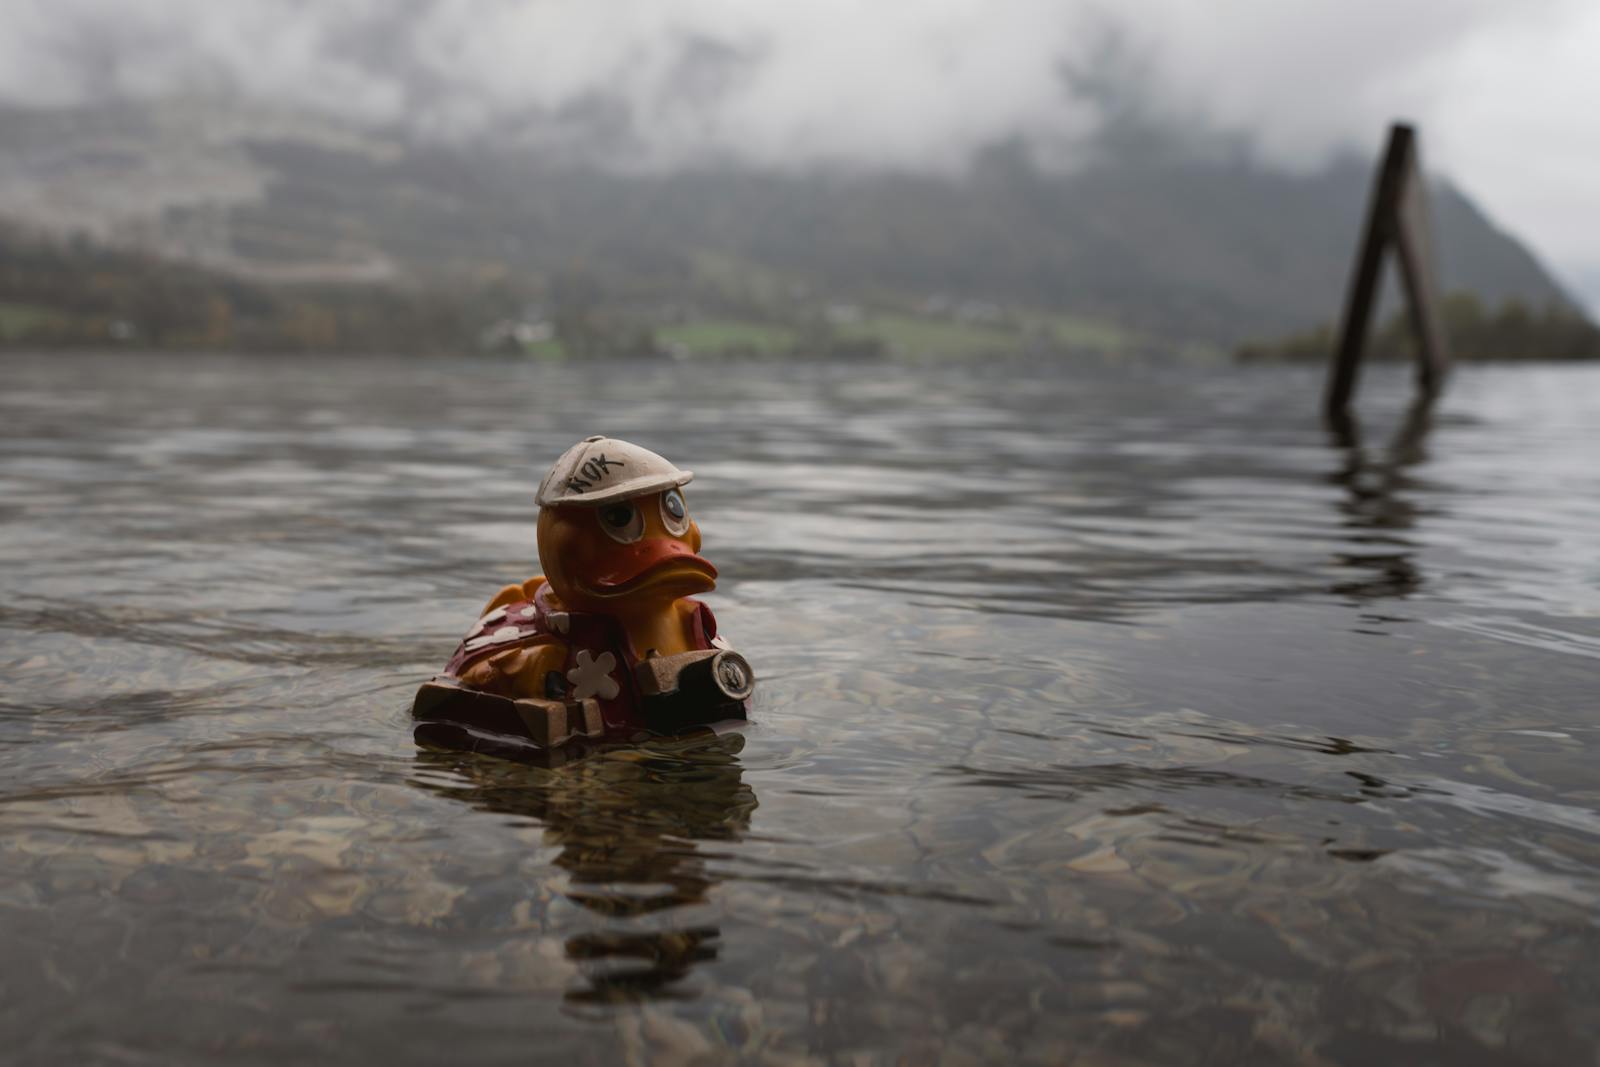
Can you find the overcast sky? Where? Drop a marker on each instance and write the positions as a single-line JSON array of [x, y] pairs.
[[1505, 91]]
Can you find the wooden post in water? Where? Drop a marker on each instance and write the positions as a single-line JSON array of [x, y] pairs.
[[1398, 214]]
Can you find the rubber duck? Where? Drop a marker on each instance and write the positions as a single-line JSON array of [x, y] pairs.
[[607, 643]]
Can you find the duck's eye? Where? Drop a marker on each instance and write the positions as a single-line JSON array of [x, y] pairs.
[[674, 513], [621, 522]]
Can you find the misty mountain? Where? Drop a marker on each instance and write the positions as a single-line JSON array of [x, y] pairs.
[[1154, 236]]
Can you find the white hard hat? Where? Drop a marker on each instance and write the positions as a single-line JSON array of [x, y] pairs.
[[598, 470]]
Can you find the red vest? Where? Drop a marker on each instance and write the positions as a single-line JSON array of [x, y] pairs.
[[600, 658]]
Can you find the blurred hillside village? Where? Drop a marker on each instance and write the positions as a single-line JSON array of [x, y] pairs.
[[200, 226]]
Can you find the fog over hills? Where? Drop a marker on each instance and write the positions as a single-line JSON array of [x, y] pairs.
[[1157, 232], [921, 85], [1176, 171]]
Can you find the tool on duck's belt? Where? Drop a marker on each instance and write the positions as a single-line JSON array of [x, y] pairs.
[[553, 662], [693, 688]]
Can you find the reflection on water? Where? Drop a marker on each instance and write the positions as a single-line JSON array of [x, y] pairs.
[[1379, 505], [1100, 722], [627, 823]]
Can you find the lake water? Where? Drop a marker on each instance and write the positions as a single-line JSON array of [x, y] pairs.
[[1106, 716]]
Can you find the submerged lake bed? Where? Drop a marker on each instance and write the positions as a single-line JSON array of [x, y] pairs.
[[1106, 714]]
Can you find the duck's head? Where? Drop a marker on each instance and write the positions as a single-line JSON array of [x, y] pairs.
[[615, 534]]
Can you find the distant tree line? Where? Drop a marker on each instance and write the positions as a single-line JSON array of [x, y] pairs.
[[1509, 332], [75, 293], [64, 294]]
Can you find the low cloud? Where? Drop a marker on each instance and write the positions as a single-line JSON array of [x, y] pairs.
[[1502, 90], [844, 82]]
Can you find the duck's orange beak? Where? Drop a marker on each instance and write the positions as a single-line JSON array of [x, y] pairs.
[[629, 567]]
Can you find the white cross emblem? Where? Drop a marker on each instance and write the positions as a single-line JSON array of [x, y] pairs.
[[592, 677]]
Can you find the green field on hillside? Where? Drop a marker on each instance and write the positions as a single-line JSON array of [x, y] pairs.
[[921, 337], [1074, 331], [709, 337], [17, 319]]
